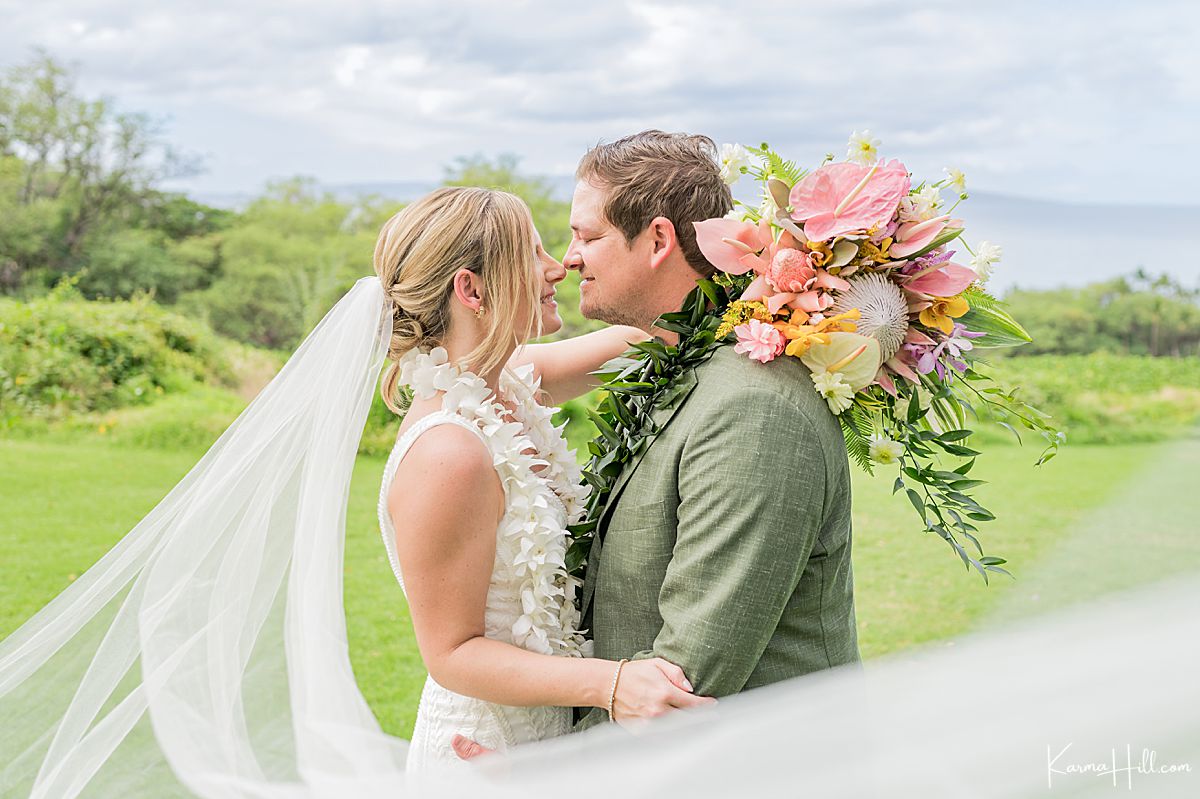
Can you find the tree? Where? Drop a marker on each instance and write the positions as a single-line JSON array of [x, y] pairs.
[[286, 260], [1140, 314], [72, 171]]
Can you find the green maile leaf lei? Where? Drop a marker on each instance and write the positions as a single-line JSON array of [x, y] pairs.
[[645, 378]]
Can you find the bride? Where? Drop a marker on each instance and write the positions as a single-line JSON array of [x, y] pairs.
[[206, 652], [480, 486]]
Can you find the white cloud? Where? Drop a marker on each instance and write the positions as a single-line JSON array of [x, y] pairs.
[[1062, 101]]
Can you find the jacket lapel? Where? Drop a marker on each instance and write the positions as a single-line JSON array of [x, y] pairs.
[[661, 416]]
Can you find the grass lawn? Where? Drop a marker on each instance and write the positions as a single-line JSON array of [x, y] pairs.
[[1094, 519]]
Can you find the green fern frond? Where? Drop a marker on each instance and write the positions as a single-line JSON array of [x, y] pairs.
[[978, 297], [857, 444], [775, 166]]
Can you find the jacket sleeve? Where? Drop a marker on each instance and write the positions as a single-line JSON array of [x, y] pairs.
[[752, 480]]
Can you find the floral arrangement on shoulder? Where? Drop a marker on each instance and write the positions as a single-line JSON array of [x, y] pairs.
[[851, 268]]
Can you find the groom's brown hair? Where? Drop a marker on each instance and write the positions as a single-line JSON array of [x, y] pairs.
[[652, 173]]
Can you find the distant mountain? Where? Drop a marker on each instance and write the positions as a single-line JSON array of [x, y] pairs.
[[1046, 243]]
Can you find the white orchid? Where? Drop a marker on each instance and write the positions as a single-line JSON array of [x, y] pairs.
[[427, 373], [921, 206], [957, 179], [862, 148], [885, 450], [836, 391], [985, 258], [733, 158]]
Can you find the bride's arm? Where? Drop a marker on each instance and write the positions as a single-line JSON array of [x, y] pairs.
[[564, 366], [445, 504]]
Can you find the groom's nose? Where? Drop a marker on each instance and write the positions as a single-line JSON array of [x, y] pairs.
[[572, 259]]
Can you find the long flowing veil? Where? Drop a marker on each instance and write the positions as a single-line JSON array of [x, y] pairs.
[[212, 637], [206, 655]]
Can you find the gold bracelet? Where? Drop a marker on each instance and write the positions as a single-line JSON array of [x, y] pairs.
[[612, 696]]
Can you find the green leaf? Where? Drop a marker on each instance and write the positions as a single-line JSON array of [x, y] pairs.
[[674, 327], [1011, 429], [1000, 328], [712, 291], [917, 503], [604, 427], [914, 408], [622, 413], [973, 540], [857, 444], [966, 485]]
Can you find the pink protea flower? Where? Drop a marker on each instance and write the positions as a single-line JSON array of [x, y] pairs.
[[845, 198], [760, 341]]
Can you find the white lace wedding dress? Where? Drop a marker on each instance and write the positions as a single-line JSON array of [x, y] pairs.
[[531, 599]]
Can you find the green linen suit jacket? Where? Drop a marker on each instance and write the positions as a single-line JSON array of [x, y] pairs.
[[725, 547]]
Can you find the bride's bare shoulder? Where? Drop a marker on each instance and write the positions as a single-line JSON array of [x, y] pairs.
[[446, 467]]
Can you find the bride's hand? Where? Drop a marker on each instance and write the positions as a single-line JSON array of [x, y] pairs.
[[650, 688]]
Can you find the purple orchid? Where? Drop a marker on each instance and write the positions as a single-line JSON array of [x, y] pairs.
[[927, 261], [947, 353]]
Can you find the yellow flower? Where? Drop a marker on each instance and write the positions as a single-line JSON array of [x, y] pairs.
[[943, 312], [821, 253], [801, 335], [741, 311], [876, 252]]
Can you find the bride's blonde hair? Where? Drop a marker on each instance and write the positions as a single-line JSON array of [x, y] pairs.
[[418, 253]]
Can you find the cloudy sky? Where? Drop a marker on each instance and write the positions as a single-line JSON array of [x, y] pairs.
[[1070, 101]]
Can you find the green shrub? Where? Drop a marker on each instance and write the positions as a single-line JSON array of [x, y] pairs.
[[1103, 398], [60, 355]]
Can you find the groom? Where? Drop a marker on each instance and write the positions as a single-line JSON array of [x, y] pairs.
[[725, 546]]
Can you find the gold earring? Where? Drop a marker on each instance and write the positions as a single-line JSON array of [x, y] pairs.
[[479, 312]]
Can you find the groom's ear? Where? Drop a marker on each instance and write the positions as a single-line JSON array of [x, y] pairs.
[[663, 240]]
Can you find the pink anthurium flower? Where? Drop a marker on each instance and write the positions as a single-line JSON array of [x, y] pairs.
[[913, 236], [846, 198], [726, 242], [946, 281]]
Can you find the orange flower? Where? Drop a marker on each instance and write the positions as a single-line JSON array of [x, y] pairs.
[[801, 335], [942, 313]]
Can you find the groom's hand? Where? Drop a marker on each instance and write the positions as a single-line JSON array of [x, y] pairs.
[[466, 749]]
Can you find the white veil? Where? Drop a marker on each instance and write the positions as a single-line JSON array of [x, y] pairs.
[[206, 655], [212, 636]]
